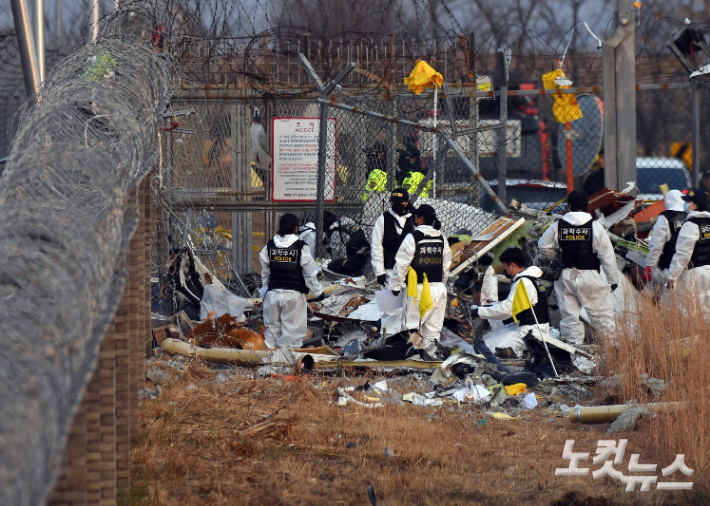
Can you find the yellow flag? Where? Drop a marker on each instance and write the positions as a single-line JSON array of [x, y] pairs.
[[425, 302], [566, 108], [521, 301], [412, 283], [422, 76]]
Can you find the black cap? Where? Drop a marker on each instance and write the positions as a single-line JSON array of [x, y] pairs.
[[399, 195], [696, 196], [410, 151], [425, 211], [515, 256], [577, 200]]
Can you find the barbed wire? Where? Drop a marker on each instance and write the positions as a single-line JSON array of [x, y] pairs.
[[222, 43], [64, 237]]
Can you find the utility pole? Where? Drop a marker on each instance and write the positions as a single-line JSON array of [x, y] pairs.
[[620, 101]]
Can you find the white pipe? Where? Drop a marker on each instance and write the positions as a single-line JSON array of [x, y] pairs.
[[95, 21], [39, 27]]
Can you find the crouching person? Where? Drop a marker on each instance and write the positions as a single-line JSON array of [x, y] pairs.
[[289, 272], [690, 266], [427, 252], [515, 264]]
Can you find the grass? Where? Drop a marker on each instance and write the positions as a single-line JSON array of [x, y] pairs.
[[301, 448], [669, 341], [275, 442]]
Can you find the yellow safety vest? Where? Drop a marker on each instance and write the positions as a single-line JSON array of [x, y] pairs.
[[376, 182], [411, 182]]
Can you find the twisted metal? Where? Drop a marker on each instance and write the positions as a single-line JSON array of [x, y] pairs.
[[63, 241]]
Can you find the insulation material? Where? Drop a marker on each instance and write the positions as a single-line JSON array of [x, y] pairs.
[[218, 300]]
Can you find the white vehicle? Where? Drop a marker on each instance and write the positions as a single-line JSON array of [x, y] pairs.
[[652, 172]]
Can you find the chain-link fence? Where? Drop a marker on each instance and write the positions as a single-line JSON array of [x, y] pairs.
[[251, 159]]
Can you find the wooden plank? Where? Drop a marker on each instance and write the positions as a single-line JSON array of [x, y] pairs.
[[500, 229]]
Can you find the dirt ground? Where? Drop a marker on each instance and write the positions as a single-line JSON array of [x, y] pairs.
[[220, 437]]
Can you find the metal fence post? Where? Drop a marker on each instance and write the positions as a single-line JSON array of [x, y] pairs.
[[503, 132], [322, 139], [25, 41], [320, 189], [620, 101], [473, 109], [234, 167], [392, 162], [695, 171], [703, 133]]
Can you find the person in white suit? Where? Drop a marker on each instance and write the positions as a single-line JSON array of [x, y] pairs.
[[584, 246], [289, 272], [427, 251], [690, 266]]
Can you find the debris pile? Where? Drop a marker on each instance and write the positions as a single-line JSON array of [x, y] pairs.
[[358, 328]]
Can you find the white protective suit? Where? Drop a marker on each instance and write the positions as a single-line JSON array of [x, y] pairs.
[[504, 310], [661, 235], [285, 311], [377, 252], [307, 233], [433, 320], [695, 282], [340, 240], [576, 289]]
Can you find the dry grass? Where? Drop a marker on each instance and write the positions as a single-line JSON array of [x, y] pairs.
[[272, 442], [669, 341]]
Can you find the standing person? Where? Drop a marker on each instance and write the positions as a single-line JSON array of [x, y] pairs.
[[388, 233], [594, 181], [515, 264], [349, 246], [705, 181], [409, 159], [376, 170], [427, 252], [412, 170], [662, 245], [690, 266], [307, 233], [584, 246], [289, 272]]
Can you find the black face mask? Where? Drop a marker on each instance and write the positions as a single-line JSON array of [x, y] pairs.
[[505, 273], [400, 209]]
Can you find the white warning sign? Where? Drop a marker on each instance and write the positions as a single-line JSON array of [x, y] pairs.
[[295, 160]]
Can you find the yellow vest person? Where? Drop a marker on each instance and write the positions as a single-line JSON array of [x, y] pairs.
[[376, 182], [412, 181]]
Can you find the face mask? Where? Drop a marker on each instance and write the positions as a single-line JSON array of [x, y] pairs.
[[507, 275], [686, 207], [400, 209]]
